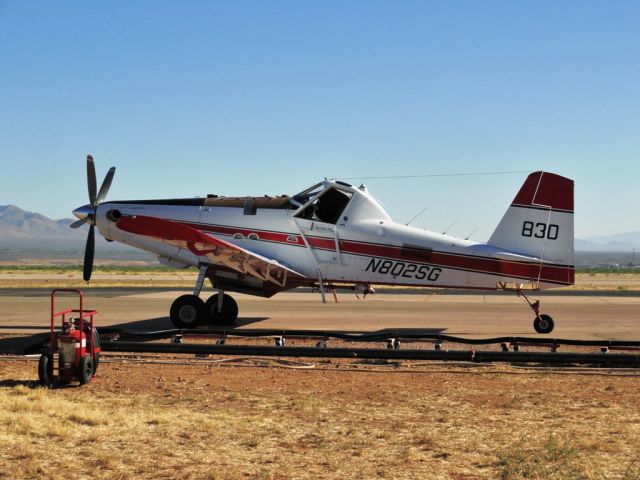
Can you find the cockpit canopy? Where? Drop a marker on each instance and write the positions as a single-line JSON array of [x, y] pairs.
[[332, 200]]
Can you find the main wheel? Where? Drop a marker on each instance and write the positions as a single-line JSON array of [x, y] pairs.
[[226, 315], [543, 324], [187, 311], [86, 369], [45, 370]]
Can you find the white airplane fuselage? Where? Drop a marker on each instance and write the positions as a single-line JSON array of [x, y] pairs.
[[363, 246]]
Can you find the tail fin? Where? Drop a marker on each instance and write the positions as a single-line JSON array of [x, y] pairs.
[[539, 222]]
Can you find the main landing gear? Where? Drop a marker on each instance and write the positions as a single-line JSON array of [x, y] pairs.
[[190, 311], [543, 323]]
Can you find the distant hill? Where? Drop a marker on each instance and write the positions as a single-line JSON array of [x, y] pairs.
[[25, 230], [18, 224], [621, 242], [22, 229]]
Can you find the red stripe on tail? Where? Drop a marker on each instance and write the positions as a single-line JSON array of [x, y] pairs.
[[547, 190]]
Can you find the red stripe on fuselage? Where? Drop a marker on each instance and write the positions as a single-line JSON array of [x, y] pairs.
[[560, 274], [495, 266]]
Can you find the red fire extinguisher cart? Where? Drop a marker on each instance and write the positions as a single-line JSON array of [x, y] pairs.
[[74, 350]]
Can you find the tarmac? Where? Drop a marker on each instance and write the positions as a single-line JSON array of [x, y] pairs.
[[607, 316]]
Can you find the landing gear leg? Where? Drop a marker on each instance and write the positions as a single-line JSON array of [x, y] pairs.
[[543, 323]]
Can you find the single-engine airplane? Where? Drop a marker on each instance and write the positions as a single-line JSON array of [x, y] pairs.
[[334, 234]]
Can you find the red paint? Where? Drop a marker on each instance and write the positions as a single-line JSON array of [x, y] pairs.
[[528, 270], [173, 231], [547, 190], [192, 233], [525, 270]]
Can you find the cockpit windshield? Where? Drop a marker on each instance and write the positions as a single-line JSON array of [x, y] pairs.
[[327, 207], [304, 196]]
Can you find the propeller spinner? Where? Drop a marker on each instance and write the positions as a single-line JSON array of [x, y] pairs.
[[87, 213]]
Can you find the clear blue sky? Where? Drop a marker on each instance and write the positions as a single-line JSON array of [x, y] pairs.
[[190, 98]]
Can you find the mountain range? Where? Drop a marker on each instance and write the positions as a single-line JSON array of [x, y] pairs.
[[22, 229], [622, 242]]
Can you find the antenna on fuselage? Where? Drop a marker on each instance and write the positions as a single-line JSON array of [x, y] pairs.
[[452, 224], [421, 212], [469, 236]]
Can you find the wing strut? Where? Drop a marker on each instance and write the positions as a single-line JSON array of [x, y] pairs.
[[313, 255]]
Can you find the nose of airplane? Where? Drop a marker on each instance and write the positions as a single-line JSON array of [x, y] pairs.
[[83, 212]]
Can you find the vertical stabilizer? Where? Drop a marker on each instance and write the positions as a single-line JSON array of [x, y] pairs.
[[539, 222]]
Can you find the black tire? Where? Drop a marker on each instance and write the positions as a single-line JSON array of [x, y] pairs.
[[96, 339], [45, 370], [226, 316], [96, 345], [543, 324], [86, 370], [187, 311]]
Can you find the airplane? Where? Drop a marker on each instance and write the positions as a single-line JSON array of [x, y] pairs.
[[334, 234]]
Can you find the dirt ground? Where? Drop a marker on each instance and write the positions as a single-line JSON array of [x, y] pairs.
[[328, 420]]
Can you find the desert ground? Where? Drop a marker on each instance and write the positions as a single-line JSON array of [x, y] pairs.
[[236, 418], [326, 420]]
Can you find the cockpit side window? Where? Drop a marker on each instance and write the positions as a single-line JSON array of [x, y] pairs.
[[328, 207]]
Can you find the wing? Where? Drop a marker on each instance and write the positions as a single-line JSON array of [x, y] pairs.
[[217, 251]]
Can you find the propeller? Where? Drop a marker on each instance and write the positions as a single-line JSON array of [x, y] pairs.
[[87, 213]]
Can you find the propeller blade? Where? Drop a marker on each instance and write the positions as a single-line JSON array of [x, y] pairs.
[[79, 223], [106, 185], [91, 180], [88, 255]]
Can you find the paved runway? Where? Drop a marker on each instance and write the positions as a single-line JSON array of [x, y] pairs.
[[472, 315]]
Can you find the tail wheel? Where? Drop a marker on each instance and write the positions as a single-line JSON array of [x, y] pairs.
[[543, 323], [45, 370], [86, 370], [223, 316], [187, 311]]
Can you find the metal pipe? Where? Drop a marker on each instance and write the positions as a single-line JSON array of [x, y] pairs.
[[601, 359]]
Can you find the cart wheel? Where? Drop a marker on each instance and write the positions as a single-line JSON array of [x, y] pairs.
[[86, 370], [84, 324], [96, 344], [45, 370], [96, 361]]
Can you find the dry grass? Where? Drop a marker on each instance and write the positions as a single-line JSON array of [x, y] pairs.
[[553, 458], [232, 423], [102, 277]]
